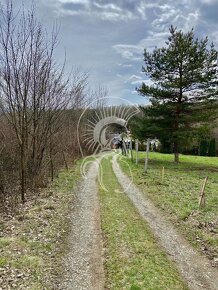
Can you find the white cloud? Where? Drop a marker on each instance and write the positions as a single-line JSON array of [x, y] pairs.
[[172, 14], [134, 52], [128, 51], [121, 10], [208, 1], [115, 16], [125, 65], [83, 2], [109, 6], [134, 78], [114, 34], [137, 80], [214, 37], [154, 39], [148, 82], [142, 10]]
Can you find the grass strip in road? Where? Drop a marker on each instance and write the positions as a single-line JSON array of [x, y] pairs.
[[177, 192], [133, 258]]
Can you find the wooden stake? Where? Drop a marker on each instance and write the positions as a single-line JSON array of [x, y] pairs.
[[146, 158], [124, 147], [131, 153], [136, 149], [201, 202]]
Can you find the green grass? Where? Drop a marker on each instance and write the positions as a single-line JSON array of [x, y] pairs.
[[33, 243], [134, 260], [178, 191], [3, 262]]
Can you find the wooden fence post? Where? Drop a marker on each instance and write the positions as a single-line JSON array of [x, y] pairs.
[[131, 153], [146, 157], [136, 150], [124, 148], [201, 202]]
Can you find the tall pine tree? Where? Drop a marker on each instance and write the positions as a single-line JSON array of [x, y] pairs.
[[184, 91]]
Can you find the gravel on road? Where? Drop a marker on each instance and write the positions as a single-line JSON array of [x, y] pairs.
[[84, 261]]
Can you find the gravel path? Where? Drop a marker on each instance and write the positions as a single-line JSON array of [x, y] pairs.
[[194, 268], [84, 262]]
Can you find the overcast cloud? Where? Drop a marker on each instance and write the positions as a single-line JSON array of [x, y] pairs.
[[107, 37]]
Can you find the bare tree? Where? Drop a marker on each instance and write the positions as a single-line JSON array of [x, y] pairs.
[[35, 92]]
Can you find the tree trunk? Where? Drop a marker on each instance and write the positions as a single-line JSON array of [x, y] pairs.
[[23, 173], [178, 111], [65, 160], [51, 155], [52, 168]]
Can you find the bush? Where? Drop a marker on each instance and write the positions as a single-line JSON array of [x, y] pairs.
[[142, 147]]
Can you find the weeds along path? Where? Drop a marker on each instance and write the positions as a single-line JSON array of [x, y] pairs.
[[84, 260], [194, 268]]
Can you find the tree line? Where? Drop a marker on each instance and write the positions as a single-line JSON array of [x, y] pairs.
[[39, 105]]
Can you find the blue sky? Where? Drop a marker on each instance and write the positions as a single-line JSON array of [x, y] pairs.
[[108, 37]]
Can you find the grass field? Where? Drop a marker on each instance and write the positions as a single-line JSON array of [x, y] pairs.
[[133, 259], [177, 193], [31, 243]]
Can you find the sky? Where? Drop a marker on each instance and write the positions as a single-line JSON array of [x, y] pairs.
[[107, 37]]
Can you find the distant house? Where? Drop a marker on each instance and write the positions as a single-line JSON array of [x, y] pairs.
[[155, 144]]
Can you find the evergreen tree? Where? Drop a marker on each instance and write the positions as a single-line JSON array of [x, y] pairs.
[[203, 148], [212, 147], [184, 90]]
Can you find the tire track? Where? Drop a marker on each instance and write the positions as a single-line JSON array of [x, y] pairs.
[[194, 268], [84, 262]]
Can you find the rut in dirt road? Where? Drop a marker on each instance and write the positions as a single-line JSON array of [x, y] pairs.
[[84, 262], [194, 268]]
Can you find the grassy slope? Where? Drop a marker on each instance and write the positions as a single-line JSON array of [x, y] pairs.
[[31, 243], [177, 194], [133, 258]]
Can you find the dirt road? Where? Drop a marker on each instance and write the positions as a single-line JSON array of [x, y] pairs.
[[194, 268], [84, 262]]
